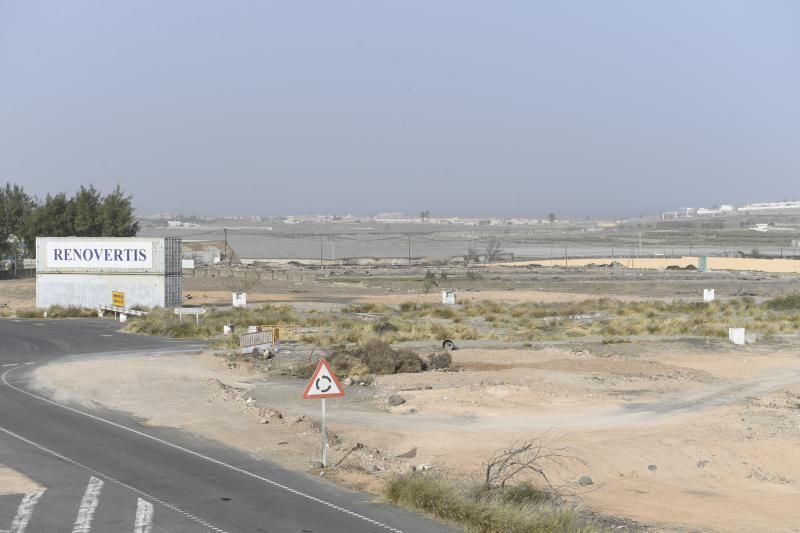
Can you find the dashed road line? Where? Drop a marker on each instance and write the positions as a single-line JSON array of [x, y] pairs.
[[24, 513], [83, 523], [31, 363], [144, 517], [98, 474], [199, 455], [11, 364]]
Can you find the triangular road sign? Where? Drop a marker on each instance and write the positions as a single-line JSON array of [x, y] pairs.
[[323, 384]]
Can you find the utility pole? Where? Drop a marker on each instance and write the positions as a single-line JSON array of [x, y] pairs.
[[409, 249], [321, 264], [225, 230], [333, 248]]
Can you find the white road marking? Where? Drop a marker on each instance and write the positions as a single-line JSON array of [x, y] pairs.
[[189, 452], [106, 335], [31, 363], [144, 517], [83, 524], [114, 480], [11, 364], [24, 512]]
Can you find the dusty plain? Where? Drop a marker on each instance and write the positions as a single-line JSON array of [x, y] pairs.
[[681, 435]]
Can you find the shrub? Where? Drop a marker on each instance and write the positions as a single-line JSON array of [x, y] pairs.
[[785, 303], [510, 510], [380, 358], [383, 327], [58, 311]]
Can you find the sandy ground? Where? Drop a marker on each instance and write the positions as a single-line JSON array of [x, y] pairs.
[[17, 294], [660, 263], [674, 436], [359, 297], [13, 482]]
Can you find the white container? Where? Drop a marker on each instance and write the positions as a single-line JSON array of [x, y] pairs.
[[737, 336], [708, 295], [123, 317], [239, 299], [110, 255], [83, 272]]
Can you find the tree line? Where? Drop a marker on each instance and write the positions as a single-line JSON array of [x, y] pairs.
[[87, 213]]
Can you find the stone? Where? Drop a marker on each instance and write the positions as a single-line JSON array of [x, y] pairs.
[[652, 468], [410, 454], [585, 481], [395, 400]]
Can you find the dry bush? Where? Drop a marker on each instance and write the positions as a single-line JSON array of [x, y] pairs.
[[528, 460]]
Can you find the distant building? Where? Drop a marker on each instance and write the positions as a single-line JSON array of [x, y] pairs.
[[771, 205]]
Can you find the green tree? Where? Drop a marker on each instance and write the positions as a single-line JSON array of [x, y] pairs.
[[551, 217], [86, 206], [53, 218], [429, 282], [116, 215], [16, 207]]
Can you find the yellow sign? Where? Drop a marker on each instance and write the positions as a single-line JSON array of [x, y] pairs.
[[118, 299]]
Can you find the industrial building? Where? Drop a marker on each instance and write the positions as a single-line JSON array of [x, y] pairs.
[[90, 271]]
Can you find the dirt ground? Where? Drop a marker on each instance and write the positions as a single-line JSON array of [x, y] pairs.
[[17, 294], [13, 482], [676, 436]]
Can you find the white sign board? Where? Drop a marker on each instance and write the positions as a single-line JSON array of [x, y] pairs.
[[239, 299], [737, 336], [100, 254], [448, 297], [708, 295], [189, 311]]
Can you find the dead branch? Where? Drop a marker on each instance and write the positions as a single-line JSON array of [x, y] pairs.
[[528, 458]]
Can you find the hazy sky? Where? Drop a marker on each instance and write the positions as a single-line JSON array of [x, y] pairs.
[[518, 108]]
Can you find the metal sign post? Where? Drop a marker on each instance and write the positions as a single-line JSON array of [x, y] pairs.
[[323, 384], [324, 437]]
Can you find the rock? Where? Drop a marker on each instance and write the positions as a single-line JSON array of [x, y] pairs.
[[263, 421], [395, 400], [424, 466], [440, 360], [702, 464], [652, 468], [585, 481], [409, 454], [348, 381]]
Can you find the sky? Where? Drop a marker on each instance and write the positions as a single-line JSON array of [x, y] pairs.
[[615, 108]]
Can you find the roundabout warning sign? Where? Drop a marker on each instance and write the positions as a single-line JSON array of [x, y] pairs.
[[323, 383]]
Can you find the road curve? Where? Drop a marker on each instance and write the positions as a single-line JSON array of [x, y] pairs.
[[102, 471]]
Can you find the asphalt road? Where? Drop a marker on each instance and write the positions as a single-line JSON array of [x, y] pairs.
[[102, 471]]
